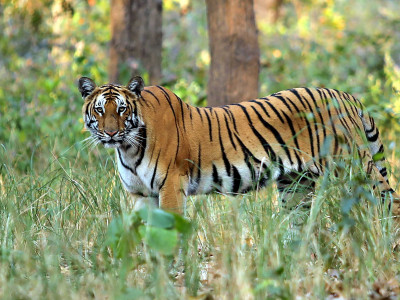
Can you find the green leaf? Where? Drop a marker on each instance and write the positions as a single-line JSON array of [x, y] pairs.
[[159, 239], [122, 235], [115, 238], [378, 156], [157, 217], [182, 225], [114, 232]]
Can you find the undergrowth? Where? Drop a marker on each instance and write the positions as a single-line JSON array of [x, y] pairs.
[[68, 232]]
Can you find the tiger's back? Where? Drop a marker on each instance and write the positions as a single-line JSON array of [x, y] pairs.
[[184, 150]]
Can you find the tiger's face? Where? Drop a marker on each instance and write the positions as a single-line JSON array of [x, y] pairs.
[[110, 111]]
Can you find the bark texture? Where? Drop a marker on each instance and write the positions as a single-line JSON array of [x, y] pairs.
[[136, 29], [235, 54]]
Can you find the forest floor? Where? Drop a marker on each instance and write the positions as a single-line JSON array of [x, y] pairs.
[[67, 232]]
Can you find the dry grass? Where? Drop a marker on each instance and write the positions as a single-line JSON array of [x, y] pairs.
[[54, 230]]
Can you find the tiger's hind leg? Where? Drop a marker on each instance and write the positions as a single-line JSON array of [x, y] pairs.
[[295, 195], [374, 165], [296, 190], [388, 195]]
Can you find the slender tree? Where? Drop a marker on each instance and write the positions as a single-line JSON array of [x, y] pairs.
[[235, 54], [136, 29]]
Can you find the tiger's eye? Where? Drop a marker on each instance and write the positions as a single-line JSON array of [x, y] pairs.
[[99, 110], [121, 109]]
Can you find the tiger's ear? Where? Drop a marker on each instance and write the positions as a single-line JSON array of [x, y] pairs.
[[86, 86], [136, 85]]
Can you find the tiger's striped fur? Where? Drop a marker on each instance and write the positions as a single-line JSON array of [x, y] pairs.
[[167, 149]]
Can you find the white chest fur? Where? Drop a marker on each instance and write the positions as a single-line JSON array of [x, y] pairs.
[[136, 180]]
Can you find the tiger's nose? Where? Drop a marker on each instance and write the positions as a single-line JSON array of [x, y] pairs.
[[111, 133]]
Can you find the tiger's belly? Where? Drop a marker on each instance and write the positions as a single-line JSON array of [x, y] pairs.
[[239, 178]]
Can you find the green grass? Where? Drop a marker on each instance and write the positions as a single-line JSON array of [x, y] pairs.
[[54, 224]]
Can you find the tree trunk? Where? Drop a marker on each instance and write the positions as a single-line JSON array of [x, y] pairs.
[[136, 29], [235, 54]]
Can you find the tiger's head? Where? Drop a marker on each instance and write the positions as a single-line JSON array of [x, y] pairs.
[[110, 111]]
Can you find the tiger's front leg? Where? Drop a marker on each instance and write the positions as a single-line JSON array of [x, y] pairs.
[[139, 201], [172, 194]]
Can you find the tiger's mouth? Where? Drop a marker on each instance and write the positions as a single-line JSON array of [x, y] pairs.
[[111, 143], [121, 139]]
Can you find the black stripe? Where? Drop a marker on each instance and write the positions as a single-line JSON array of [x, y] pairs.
[[199, 112], [224, 158], [370, 130], [262, 107], [142, 146], [338, 109], [350, 115], [317, 108], [270, 152], [147, 103], [357, 102], [155, 97], [344, 105], [276, 135], [373, 138], [274, 109], [87, 108], [199, 166], [233, 120], [182, 113], [124, 164], [229, 132], [323, 97], [352, 105], [130, 108], [247, 153], [247, 156], [190, 112], [135, 111], [226, 110], [166, 175], [311, 134], [283, 101], [237, 180], [294, 105], [293, 91], [294, 134], [209, 123], [155, 170], [281, 167], [309, 129], [176, 121], [217, 182], [168, 100]]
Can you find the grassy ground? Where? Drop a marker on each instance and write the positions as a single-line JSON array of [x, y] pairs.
[[54, 233]]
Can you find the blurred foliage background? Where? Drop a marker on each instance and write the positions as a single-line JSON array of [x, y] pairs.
[[47, 45], [57, 198]]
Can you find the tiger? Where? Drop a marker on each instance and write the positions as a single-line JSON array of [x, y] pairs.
[[167, 149]]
